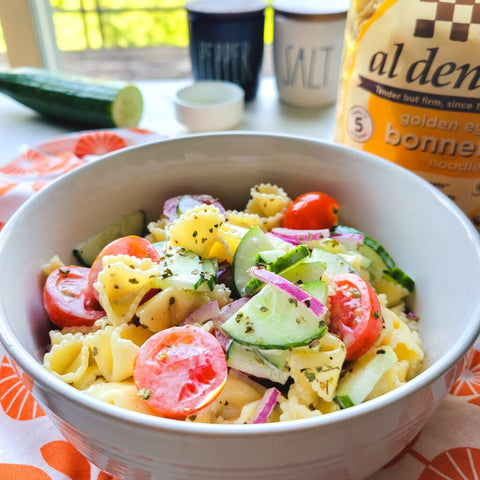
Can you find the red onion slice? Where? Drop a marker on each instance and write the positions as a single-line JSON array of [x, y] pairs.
[[230, 309], [204, 313], [266, 405], [222, 337], [299, 237], [170, 205], [211, 312], [351, 241]]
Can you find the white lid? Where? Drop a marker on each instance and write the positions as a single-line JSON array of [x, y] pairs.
[[225, 7], [311, 7]]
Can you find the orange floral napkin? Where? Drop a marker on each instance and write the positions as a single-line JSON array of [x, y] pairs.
[[34, 168], [31, 448]]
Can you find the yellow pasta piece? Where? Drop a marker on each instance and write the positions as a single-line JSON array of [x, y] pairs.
[[123, 283], [157, 231], [169, 307], [196, 230], [267, 200], [292, 409], [99, 324], [244, 219], [393, 378], [54, 263], [228, 406], [327, 406], [404, 341], [83, 377], [227, 239], [89, 376], [316, 370], [120, 394], [56, 336], [114, 349], [265, 207], [68, 358]]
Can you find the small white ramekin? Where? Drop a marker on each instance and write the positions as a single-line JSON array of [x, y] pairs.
[[209, 105]]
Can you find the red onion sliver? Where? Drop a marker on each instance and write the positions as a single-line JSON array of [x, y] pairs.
[[222, 338], [266, 405], [233, 372], [299, 237], [204, 313], [230, 309], [289, 288], [170, 205], [170, 208], [350, 241]]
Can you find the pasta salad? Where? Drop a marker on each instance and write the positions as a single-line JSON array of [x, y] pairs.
[[272, 313]]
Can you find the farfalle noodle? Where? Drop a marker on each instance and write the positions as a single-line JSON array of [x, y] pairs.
[[68, 358], [123, 283], [265, 208], [196, 230]]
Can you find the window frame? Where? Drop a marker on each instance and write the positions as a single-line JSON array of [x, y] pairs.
[[29, 34]]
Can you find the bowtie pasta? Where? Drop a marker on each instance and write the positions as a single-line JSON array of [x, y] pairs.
[[307, 321]]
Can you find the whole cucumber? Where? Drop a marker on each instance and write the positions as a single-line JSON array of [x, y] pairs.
[[81, 100]]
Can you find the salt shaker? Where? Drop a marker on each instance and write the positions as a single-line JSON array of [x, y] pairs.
[[307, 50]]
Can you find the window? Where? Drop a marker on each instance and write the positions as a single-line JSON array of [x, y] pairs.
[[136, 39], [129, 39]]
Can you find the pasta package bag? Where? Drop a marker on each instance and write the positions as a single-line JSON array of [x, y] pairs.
[[410, 90]]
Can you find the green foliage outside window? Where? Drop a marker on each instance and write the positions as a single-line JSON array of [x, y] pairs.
[[81, 24]]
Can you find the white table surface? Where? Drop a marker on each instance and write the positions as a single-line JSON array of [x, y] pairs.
[[20, 127]]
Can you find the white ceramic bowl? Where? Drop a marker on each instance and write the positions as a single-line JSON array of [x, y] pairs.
[[209, 105], [427, 235]]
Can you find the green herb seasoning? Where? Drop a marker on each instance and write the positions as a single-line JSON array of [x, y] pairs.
[[144, 393]]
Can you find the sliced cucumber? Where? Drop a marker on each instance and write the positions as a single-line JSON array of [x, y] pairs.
[[376, 259], [252, 242], [276, 357], [317, 289], [362, 376], [305, 272], [370, 244], [268, 256], [132, 224], [280, 265], [402, 278], [382, 261], [335, 264], [271, 319], [356, 260], [185, 270], [248, 360], [289, 259], [77, 99], [394, 291], [161, 247]]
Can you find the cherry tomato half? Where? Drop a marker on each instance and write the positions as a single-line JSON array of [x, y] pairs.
[[311, 211], [180, 370], [68, 300], [131, 245], [355, 314]]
